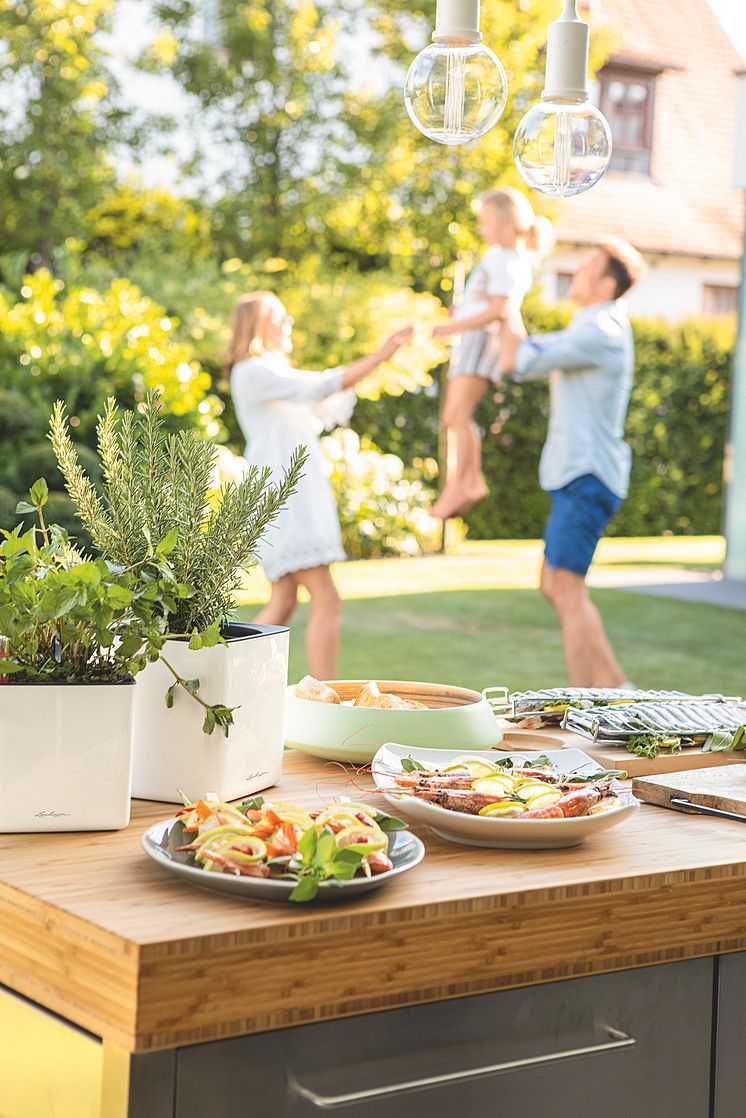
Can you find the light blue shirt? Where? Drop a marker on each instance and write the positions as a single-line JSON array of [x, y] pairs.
[[590, 366]]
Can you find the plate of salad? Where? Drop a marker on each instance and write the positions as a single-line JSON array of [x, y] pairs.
[[277, 851], [504, 799]]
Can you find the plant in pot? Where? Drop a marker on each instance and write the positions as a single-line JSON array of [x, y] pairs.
[[209, 714], [75, 632]]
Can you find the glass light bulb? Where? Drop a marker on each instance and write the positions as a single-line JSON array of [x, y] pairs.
[[562, 147], [455, 92]]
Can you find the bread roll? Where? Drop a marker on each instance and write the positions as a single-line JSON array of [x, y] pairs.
[[316, 691], [370, 695]]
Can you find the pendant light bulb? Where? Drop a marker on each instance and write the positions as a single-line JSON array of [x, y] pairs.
[[455, 90], [563, 145]]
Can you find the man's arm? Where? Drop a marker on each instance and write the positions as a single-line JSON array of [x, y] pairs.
[[585, 347]]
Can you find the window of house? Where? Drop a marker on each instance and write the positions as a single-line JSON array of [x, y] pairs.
[[564, 279], [626, 100], [719, 299]]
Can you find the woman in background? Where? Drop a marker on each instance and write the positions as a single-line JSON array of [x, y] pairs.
[[279, 408]]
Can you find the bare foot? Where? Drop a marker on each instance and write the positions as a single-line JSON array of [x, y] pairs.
[[455, 502]]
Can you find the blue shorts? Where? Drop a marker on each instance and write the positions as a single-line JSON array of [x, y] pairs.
[[580, 512]]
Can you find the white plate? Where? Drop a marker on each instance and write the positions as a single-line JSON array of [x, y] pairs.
[[480, 830], [405, 851]]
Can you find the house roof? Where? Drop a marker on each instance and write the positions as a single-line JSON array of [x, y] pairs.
[[687, 205]]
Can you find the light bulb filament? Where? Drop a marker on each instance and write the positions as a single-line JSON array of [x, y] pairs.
[[455, 92], [562, 151]]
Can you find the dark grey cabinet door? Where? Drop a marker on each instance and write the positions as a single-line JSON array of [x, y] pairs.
[[634, 1044], [729, 1079]]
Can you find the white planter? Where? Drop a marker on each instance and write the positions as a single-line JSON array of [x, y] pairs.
[[65, 756], [172, 752]]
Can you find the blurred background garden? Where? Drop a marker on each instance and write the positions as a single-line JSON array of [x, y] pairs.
[[158, 159]]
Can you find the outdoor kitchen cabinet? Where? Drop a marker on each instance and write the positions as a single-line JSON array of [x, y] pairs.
[[637, 1042], [605, 981]]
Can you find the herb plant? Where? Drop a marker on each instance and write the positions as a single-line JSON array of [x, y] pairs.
[[155, 484], [67, 618], [159, 486]]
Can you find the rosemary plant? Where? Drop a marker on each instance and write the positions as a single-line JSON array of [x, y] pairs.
[[159, 486]]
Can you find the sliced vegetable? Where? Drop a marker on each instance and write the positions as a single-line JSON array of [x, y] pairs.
[[476, 766], [503, 808]]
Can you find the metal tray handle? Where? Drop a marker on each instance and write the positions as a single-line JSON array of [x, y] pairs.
[[616, 1042], [498, 699]]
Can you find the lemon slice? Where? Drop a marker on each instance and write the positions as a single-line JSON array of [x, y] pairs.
[[224, 829], [290, 813], [505, 808], [361, 838], [344, 812], [497, 785], [530, 788], [477, 766], [544, 799]]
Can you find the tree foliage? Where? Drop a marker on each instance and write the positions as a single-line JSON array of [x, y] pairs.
[[61, 122]]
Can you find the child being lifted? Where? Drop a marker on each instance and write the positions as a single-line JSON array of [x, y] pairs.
[[512, 233]]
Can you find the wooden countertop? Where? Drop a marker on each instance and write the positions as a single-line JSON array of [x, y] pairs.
[[95, 931]]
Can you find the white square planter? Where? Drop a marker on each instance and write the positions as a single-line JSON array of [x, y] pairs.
[[172, 752], [65, 756]]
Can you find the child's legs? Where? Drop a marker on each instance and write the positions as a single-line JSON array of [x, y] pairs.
[[324, 622], [281, 605], [464, 481], [462, 397]]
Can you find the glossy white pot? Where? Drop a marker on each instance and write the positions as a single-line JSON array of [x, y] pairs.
[[172, 752], [65, 756]]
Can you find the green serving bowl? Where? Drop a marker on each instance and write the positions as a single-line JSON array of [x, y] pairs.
[[454, 718]]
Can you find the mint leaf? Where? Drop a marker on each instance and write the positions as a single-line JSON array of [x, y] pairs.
[[306, 889], [253, 803], [307, 844], [325, 848], [168, 543], [39, 493], [390, 822]]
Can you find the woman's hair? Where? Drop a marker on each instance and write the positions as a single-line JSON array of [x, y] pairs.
[[249, 327], [536, 232]]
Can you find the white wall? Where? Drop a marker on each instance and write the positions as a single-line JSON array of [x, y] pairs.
[[671, 288]]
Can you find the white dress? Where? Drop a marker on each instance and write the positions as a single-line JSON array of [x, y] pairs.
[[279, 408]]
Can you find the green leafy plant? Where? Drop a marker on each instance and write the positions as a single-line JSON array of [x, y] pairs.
[[649, 743], [67, 618], [158, 486], [726, 740]]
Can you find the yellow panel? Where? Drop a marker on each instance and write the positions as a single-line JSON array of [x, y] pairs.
[[47, 1069]]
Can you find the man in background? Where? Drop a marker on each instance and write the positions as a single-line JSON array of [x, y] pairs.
[[585, 463]]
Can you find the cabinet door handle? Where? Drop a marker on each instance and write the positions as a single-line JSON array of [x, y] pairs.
[[617, 1040]]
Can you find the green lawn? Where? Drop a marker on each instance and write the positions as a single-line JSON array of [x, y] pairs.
[[404, 619]]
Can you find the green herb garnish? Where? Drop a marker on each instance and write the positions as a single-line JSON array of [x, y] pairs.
[[410, 765], [320, 860]]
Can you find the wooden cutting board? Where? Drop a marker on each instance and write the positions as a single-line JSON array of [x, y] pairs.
[[723, 788], [615, 757]]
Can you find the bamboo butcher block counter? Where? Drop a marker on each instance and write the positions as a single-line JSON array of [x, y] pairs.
[[94, 931]]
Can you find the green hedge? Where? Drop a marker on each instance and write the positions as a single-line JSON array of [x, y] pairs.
[[676, 426]]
